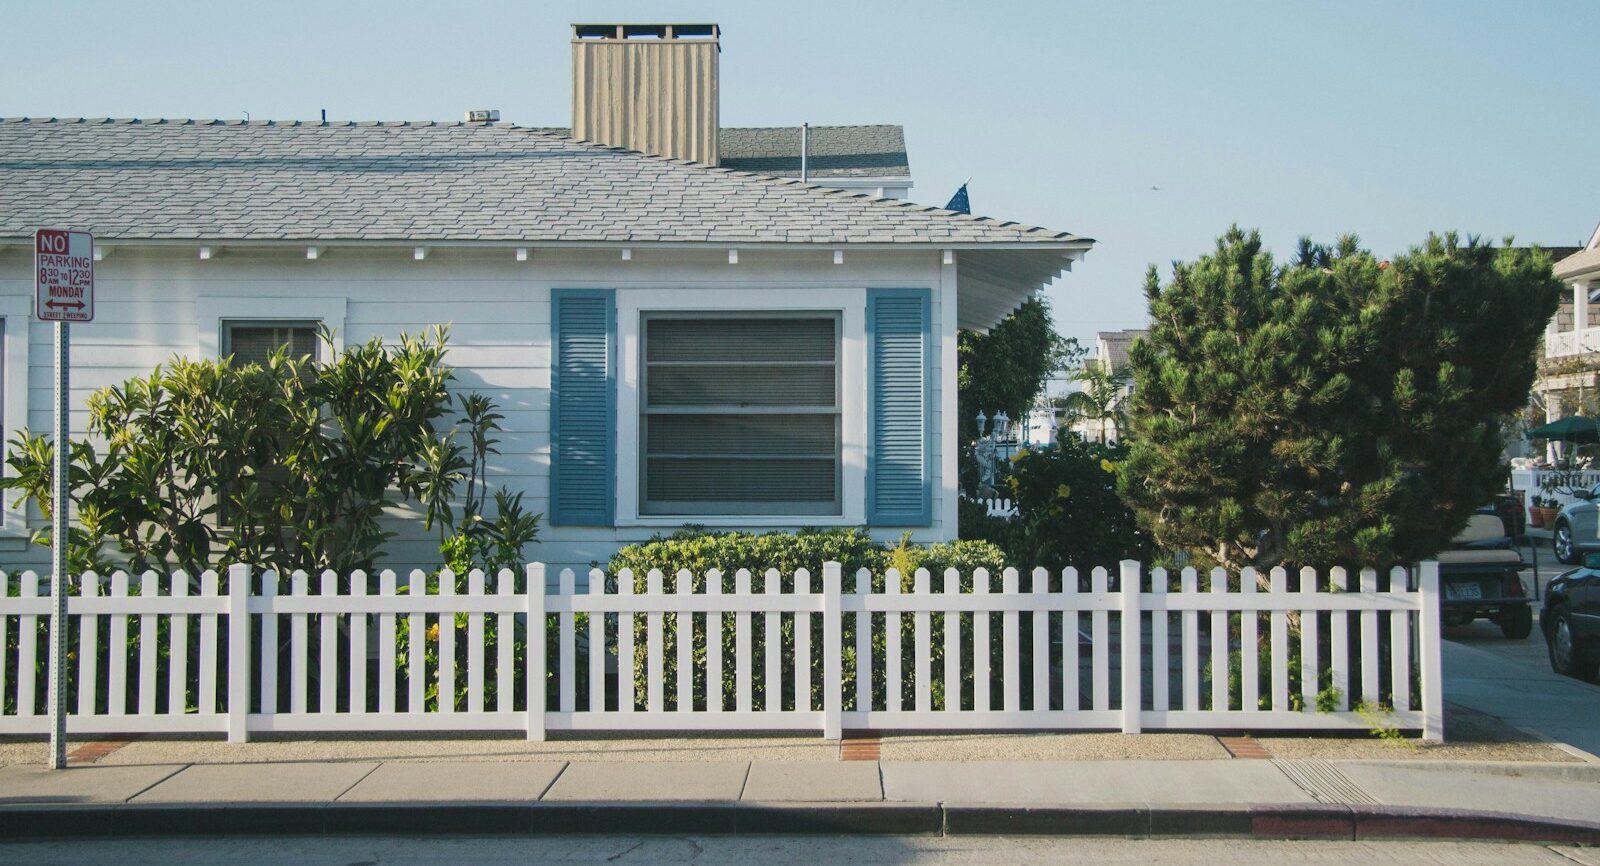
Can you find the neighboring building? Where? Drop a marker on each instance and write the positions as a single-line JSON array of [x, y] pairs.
[[613, 303], [1569, 373], [1111, 356]]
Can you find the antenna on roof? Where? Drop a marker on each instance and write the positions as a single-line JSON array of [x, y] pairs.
[[324, 117], [246, 116]]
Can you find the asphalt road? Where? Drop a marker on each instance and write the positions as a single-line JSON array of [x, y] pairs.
[[1511, 679], [738, 851]]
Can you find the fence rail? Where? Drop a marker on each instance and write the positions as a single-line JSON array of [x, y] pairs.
[[240, 652]]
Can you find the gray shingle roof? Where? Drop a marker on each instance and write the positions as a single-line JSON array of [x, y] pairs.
[[230, 180], [836, 151]]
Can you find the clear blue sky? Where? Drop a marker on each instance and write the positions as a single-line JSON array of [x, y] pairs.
[[1385, 119]]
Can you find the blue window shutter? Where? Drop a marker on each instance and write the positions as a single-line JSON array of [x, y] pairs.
[[583, 399], [899, 408]]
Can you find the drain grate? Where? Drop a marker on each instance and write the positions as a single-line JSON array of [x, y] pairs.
[[1325, 782]]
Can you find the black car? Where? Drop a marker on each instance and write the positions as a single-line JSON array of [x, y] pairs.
[[1570, 620]]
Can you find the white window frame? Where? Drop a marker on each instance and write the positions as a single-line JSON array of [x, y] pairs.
[[850, 305], [836, 507], [213, 314], [16, 315]]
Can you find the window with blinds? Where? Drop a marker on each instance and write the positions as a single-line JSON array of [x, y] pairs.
[[254, 342], [740, 415]]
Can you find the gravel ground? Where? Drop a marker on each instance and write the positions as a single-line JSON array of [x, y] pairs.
[[1469, 736]]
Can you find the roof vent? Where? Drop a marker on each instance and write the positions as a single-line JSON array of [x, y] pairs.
[[483, 115]]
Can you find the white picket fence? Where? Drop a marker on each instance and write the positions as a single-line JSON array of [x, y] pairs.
[[242, 653]]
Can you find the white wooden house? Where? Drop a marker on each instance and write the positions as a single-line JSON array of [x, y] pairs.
[[670, 341]]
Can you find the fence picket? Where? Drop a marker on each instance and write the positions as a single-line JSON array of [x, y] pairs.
[[1100, 645], [1280, 641], [716, 701], [5, 648], [741, 644], [1339, 641], [117, 644], [208, 675], [27, 650], [269, 643], [328, 649], [1040, 658], [387, 587], [1220, 662], [417, 640], [1160, 650], [475, 660], [922, 625], [1249, 646], [1189, 586], [1310, 622], [772, 646], [447, 646], [178, 651], [566, 647], [1369, 641], [88, 649], [505, 636], [148, 641], [802, 646], [1071, 689], [864, 661], [1011, 645], [952, 643], [685, 645], [1399, 643], [357, 701], [627, 691], [982, 684], [299, 639], [653, 651], [892, 681], [597, 645]]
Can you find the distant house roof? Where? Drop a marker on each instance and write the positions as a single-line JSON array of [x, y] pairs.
[[836, 151], [1116, 345], [233, 181], [1577, 262]]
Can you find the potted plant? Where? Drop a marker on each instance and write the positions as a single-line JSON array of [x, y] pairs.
[[1543, 511]]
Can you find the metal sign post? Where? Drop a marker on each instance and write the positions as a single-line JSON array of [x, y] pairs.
[[63, 292]]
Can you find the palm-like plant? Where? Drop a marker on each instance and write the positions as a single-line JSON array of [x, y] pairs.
[[1099, 398]]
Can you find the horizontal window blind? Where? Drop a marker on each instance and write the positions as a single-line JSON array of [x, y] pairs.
[[254, 344], [740, 415]]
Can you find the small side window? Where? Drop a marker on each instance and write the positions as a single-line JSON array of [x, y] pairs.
[[254, 342]]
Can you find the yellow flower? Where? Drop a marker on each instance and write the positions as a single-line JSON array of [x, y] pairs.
[[1107, 465], [1064, 491], [433, 632]]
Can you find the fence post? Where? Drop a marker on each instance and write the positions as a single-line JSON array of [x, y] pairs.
[[832, 652], [239, 662], [537, 675], [1429, 633], [1132, 649]]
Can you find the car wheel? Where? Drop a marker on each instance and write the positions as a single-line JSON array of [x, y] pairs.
[[1563, 544], [1516, 623], [1568, 657]]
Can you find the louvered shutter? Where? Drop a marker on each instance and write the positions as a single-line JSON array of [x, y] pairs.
[[583, 407], [899, 406]]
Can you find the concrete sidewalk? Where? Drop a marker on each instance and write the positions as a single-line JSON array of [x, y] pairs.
[[1259, 798]]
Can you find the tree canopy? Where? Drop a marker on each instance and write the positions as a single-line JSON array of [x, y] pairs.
[[1336, 410], [1006, 369]]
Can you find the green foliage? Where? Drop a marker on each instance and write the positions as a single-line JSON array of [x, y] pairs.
[[1334, 410], [1006, 369], [286, 465], [1069, 511], [1101, 399]]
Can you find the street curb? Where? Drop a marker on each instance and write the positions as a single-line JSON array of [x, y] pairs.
[[1260, 821]]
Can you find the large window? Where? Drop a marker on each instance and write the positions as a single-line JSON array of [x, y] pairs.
[[251, 342], [740, 414]]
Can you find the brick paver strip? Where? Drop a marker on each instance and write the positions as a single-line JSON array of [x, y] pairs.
[[1245, 747]]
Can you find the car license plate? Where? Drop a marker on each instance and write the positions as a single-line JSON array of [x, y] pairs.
[[1463, 591]]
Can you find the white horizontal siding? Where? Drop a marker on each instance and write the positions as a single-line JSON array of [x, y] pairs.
[[498, 311]]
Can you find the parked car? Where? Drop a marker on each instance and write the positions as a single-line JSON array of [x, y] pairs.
[[1570, 620], [1481, 576], [1577, 527]]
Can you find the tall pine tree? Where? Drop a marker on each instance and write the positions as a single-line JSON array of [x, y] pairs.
[[1337, 410]]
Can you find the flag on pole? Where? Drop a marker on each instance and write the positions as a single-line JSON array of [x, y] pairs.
[[958, 202]]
